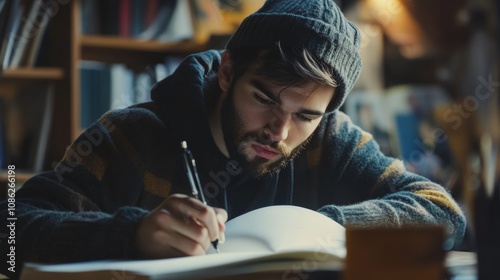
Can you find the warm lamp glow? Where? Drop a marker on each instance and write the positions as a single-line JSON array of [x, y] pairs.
[[398, 24]]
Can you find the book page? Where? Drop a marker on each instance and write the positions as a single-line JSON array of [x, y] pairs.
[[283, 228], [274, 237], [148, 267], [175, 268]]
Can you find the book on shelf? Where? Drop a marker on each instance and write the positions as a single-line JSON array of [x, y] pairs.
[[129, 88], [44, 129], [162, 20], [108, 14], [158, 21], [13, 12], [29, 26], [23, 31], [41, 19], [274, 239], [137, 17], [122, 85], [124, 11], [106, 87], [89, 16], [181, 25], [95, 79], [28, 119], [4, 8]]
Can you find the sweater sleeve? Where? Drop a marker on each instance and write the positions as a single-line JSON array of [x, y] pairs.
[[378, 190], [84, 208]]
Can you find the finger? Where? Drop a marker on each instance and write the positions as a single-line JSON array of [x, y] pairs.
[[189, 246], [192, 209], [157, 237], [221, 215], [173, 244], [192, 230]]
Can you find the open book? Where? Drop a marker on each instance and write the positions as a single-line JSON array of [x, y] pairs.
[[285, 239]]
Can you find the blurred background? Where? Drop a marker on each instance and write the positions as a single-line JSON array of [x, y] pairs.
[[428, 91]]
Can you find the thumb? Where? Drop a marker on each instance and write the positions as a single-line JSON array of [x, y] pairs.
[[221, 215]]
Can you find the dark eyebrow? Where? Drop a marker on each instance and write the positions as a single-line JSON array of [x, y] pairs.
[[312, 112], [261, 87], [257, 84]]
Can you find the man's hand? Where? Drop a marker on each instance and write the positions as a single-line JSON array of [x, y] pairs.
[[180, 226]]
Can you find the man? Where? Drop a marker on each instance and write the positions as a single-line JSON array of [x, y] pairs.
[[262, 121]]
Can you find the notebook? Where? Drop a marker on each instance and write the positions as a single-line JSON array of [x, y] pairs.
[[290, 240]]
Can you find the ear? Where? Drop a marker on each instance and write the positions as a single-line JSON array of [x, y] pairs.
[[225, 71]]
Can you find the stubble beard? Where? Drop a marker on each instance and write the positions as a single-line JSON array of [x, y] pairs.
[[239, 143]]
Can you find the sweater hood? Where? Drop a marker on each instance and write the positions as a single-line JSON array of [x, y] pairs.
[[182, 95]]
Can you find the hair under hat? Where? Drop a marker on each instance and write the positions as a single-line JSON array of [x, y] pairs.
[[316, 25]]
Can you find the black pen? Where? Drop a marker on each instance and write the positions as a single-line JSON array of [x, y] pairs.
[[194, 181]]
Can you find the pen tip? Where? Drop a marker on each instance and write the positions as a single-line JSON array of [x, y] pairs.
[[184, 144], [214, 244]]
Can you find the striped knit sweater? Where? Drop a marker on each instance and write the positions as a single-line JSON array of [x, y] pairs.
[[125, 164]]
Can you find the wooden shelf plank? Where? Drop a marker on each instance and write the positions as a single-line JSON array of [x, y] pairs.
[[33, 73], [131, 44], [133, 51], [21, 177]]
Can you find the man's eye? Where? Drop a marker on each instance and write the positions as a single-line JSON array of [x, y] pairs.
[[262, 100], [303, 117]]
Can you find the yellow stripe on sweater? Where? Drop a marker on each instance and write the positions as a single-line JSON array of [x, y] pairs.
[[438, 198], [365, 137], [152, 183], [156, 185], [95, 165], [394, 170]]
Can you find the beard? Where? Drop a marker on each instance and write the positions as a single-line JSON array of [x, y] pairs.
[[239, 143]]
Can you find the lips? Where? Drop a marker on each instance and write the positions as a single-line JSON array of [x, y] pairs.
[[265, 152]]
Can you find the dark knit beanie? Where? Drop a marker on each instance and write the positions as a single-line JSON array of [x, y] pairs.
[[316, 25]]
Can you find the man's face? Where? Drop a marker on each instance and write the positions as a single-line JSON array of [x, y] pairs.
[[265, 125]]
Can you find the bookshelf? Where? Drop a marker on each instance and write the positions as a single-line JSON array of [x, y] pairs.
[[49, 76], [22, 176], [134, 53], [65, 47], [29, 74]]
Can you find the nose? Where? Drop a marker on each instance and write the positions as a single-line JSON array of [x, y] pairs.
[[279, 126]]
